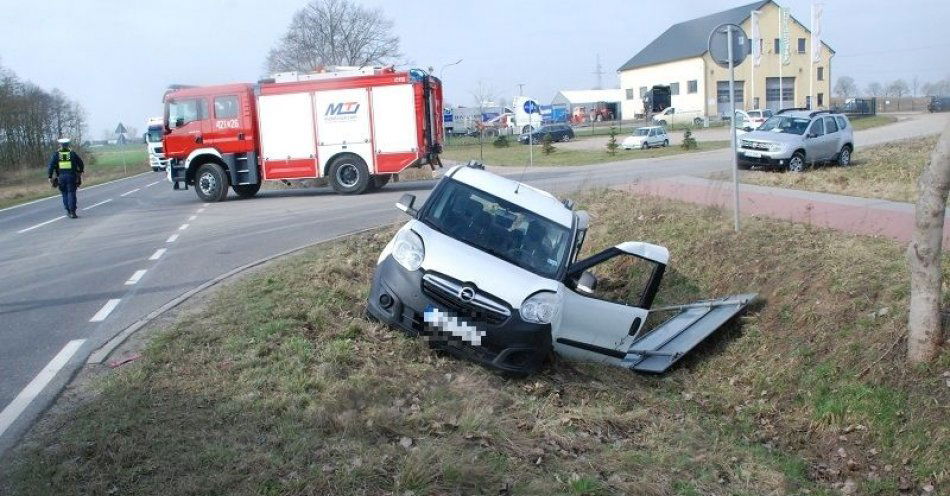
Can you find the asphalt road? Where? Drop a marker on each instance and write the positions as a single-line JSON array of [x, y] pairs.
[[68, 286]]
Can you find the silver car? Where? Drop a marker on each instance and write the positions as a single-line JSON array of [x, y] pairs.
[[794, 138]]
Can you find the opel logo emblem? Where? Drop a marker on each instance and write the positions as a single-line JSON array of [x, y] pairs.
[[466, 294]]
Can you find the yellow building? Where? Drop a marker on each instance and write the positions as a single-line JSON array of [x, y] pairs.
[[679, 58]]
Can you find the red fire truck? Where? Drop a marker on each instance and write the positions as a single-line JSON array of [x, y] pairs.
[[357, 128]]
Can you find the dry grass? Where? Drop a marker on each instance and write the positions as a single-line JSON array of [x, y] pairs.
[[885, 171], [860, 123], [282, 387]]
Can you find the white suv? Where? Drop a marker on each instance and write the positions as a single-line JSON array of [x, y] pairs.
[[794, 138], [487, 269]]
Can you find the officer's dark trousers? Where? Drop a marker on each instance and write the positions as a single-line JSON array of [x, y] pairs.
[[67, 186]]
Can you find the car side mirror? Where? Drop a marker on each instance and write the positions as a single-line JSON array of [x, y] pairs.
[[179, 122], [405, 204], [747, 129], [587, 282], [811, 135]]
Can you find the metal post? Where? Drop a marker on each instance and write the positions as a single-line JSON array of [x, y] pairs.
[[732, 126]]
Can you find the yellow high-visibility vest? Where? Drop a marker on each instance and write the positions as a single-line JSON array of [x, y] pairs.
[[65, 160]]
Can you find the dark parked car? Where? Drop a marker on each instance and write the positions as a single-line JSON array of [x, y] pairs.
[[939, 104], [558, 132]]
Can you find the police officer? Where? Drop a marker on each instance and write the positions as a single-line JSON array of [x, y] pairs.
[[68, 168]]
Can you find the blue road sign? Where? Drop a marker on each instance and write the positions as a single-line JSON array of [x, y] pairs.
[[531, 107]]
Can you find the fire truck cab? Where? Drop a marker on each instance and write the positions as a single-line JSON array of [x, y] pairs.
[[357, 128]]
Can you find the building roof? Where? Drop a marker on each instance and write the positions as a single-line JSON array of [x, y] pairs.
[[589, 96], [689, 38]]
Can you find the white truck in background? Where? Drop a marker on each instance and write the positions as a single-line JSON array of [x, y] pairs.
[[520, 119], [153, 143]]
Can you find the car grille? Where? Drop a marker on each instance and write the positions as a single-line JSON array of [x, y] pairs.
[[754, 145], [482, 307]]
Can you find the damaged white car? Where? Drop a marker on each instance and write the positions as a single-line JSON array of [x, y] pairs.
[[487, 269]]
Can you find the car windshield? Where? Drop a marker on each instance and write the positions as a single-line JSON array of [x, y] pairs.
[[755, 114], [154, 134], [785, 124], [642, 132], [500, 228]]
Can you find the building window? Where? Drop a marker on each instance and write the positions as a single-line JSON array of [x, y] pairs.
[[692, 86], [821, 74], [629, 93], [821, 99], [643, 91], [777, 46], [674, 88], [801, 45]]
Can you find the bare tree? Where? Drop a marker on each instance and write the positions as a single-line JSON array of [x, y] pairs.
[[334, 32], [31, 119], [898, 88], [914, 86], [925, 333], [845, 87]]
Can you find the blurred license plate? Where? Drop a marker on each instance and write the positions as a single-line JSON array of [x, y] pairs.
[[753, 154], [451, 324]]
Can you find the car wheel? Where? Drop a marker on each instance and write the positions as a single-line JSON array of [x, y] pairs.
[[797, 162], [211, 183], [666, 142], [697, 122], [844, 156], [349, 175], [246, 190]]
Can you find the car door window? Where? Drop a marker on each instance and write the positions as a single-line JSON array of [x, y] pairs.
[[624, 279], [817, 128], [830, 125], [226, 107], [842, 123], [181, 112]]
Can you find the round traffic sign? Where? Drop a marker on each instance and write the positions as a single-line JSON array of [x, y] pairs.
[[719, 44], [531, 107]]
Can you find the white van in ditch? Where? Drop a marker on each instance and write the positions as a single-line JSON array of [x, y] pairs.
[[487, 269]]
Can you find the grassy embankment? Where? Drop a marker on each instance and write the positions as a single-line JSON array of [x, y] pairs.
[[888, 171], [102, 165], [517, 154], [874, 121], [280, 386]]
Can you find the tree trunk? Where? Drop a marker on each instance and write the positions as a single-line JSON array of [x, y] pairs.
[[925, 334]]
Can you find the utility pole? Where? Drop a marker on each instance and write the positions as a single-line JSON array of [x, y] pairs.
[[599, 73], [520, 89]]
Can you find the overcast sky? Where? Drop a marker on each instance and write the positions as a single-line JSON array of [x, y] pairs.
[[117, 57]]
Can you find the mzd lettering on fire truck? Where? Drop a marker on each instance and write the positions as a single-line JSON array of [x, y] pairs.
[[355, 127]]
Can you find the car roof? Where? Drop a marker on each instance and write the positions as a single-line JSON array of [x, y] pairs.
[[651, 127], [540, 202]]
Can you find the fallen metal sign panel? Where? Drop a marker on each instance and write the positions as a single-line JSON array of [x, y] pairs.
[[670, 341]]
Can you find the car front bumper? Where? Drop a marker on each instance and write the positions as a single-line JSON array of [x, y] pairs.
[[512, 346], [761, 158]]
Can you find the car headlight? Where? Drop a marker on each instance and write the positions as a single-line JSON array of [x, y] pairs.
[[540, 307], [408, 250]]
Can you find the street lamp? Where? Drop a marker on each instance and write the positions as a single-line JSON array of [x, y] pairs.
[[442, 70]]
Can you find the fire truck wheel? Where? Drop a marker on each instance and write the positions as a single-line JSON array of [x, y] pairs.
[[211, 183], [349, 175], [246, 190]]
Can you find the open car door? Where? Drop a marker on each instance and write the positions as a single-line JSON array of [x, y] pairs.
[[604, 320]]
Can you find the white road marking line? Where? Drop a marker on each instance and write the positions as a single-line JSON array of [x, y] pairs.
[[200, 210], [90, 207], [183, 227], [41, 224], [105, 310], [158, 254], [130, 192], [193, 217], [152, 184], [36, 386], [135, 277], [172, 238]]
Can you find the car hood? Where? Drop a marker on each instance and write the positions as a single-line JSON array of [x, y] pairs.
[[772, 137], [453, 258], [635, 139]]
